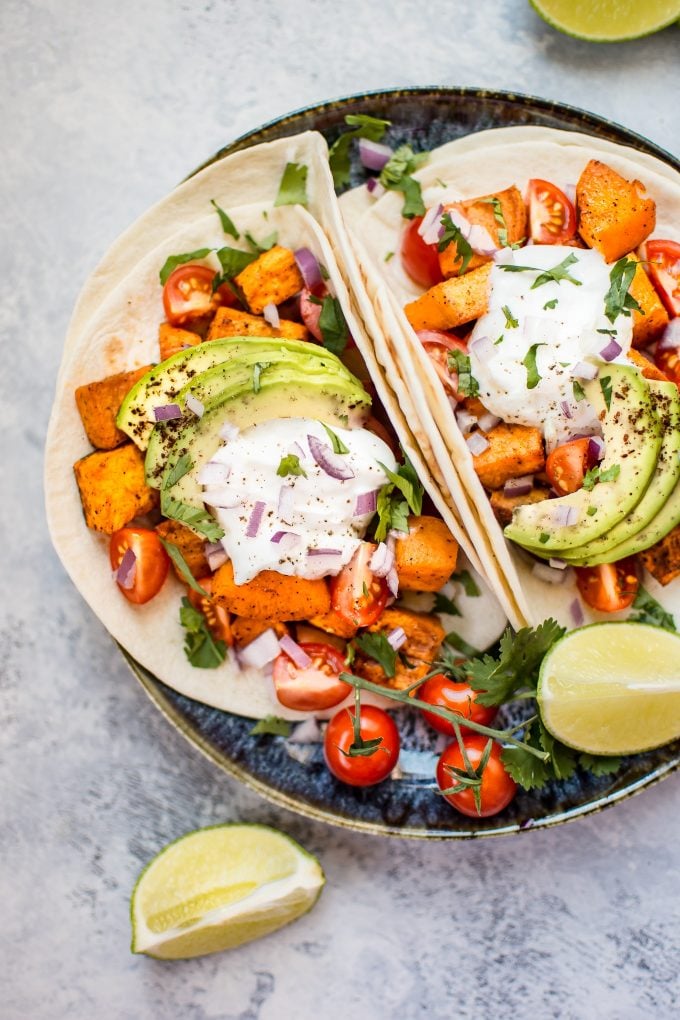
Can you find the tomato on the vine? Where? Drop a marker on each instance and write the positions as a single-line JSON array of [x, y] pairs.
[[150, 569], [496, 788], [609, 587], [441, 691], [419, 259], [314, 687], [361, 770], [357, 595], [552, 218], [567, 464], [188, 294]]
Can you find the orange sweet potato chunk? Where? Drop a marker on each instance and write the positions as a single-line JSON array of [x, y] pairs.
[[453, 302], [271, 596], [172, 339], [112, 488], [245, 629], [98, 404], [663, 559], [614, 215], [650, 322], [481, 212], [234, 322], [191, 546], [513, 451], [426, 557], [647, 368], [272, 278], [424, 636]]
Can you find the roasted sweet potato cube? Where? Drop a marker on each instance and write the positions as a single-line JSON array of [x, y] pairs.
[[172, 339], [503, 506], [234, 322], [513, 451], [662, 560], [614, 215], [112, 488], [424, 635], [191, 546], [272, 278], [333, 623], [271, 596], [650, 322], [426, 557], [244, 629], [453, 302], [98, 404], [482, 212], [646, 366]]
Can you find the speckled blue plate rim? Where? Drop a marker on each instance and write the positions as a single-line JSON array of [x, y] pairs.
[[412, 811]]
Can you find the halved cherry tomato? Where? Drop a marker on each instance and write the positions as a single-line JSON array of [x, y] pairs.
[[664, 269], [365, 770], [314, 687], [151, 562], [356, 593], [310, 312], [188, 294], [552, 219], [216, 617], [567, 464], [420, 260], [439, 690], [609, 587], [497, 788], [668, 360], [437, 345]]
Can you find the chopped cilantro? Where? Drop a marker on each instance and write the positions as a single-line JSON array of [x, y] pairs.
[[173, 261], [579, 392], [195, 518], [544, 537], [363, 127], [258, 368], [618, 300], [290, 465], [470, 586], [388, 256], [396, 176], [176, 556], [180, 468], [550, 304], [459, 362], [517, 664], [454, 235], [234, 261], [200, 647], [499, 218], [402, 493], [500, 340], [606, 387], [591, 511], [647, 610], [443, 604], [557, 274], [336, 441], [376, 646], [333, 326], [529, 362], [272, 725], [460, 644], [261, 246], [228, 225], [293, 186], [510, 321]]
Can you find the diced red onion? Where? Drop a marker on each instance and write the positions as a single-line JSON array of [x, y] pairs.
[[465, 420], [375, 188], [576, 613], [195, 405], [382, 560], [167, 412], [307, 732], [519, 486], [460, 221], [583, 370], [297, 450], [611, 351], [309, 267], [393, 581], [125, 575], [260, 652], [334, 464], [366, 503], [558, 564], [566, 409], [214, 473], [482, 347], [564, 516], [477, 444], [488, 421], [430, 228], [286, 503], [548, 574], [374, 155], [596, 449], [217, 557], [670, 336], [211, 547], [294, 652], [286, 540], [481, 241], [271, 315], [225, 499], [315, 551], [229, 431], [324, 561], [255, 519], [397, 638]]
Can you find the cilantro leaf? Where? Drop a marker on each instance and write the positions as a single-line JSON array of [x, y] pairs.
[[459, 362], [443, 604], [200, 647], [173, 261], [557, 274], [510, 321], [406, 480], [647, 610], [234, 261], [293, 186], [599, 764], [180, 468], [336, 441], [290, 465], [401, 493], [228, 225], [258, 368], [529, 362], [396, 176], [333, 326], [177, 558], [460, 644], [618, 300], [454, 235], [526, 769], [606, 387], [271, 724], [376, 646], [578, 391], [470, 586], [595, 475], [516, 666], [261, 246], [499, 218], [194, 517], [338, 156], [550, 304]]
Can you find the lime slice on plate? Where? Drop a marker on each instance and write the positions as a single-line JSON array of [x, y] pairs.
[[219, 887], [612, 688], [608, 20]]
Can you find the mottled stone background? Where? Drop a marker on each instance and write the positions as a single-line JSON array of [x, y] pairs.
[[104, 107]]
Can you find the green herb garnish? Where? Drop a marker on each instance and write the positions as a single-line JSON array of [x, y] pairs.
[[396, 176], [228, 225], [258, 368], [363, 127], [557, 274], [173, 261], [647, 610], [290, 465], [595, 475], [181, 467], [234, 261], [333, 327], [259, 247], [618, 300], [200, 647], [272, 725], [579, 392], [443, 604], [459, 362], [529, 362], [469, 585], [499, 218], [377, 647], [194, 517], [402, 493], [293, 186], [454, 235], [336, 441], [550, 304], [606, 387], [178, 559], [510, 321]]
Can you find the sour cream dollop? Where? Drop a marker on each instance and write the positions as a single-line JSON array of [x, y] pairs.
[[563, 318], [318, 510]]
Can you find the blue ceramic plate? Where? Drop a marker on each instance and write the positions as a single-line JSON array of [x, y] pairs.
[[294, 775]]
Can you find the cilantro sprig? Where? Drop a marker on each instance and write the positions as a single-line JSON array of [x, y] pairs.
[[362, 126], [647, 610], [293, 186], [290, 465], [402, 493], [333, 326], [557, 274], [595, 475], [454, 235], [618, 300], [459, 362], [200, 647], [396, 175], [529, 362]]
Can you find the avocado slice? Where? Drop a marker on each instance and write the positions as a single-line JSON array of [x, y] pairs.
[[664, 481], [163, 382], [285, 392], [667, 518], [632, 432]]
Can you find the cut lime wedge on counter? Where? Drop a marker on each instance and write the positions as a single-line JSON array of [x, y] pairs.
[[612, 688], [608, 20], [219, 887]]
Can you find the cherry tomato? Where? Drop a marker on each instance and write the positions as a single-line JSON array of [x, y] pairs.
[[608, 587], [664, 269], [357, 595], [361, 770], [216, 617], [668, 360], [497, 789], [437, 344], [313, 687], [151, 562], [439, 690], [552, 219], [310, 312], [420, 260], [567, 464], [188, 294]]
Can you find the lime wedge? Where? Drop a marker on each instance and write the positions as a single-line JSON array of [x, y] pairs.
[[608, 20], [219, 887], [612, 688]]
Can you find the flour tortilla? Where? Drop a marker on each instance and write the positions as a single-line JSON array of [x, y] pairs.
[[115, 328], [476, 165]]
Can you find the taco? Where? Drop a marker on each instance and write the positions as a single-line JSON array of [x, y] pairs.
[[534, 305], [225, 444]]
